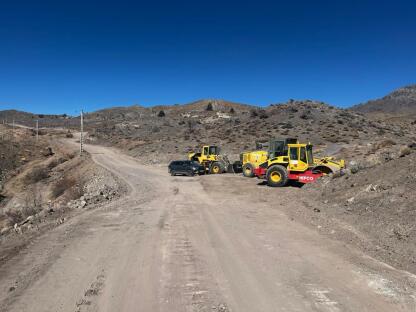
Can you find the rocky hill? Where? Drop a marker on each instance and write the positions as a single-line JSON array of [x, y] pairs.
[[400, 102], [29, 119], [162, 133]]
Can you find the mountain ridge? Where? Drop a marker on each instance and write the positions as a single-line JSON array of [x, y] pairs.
[[401, 101]]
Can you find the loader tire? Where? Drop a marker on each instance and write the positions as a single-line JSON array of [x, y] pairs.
[[277, 176], [248, 170], [216, 168]]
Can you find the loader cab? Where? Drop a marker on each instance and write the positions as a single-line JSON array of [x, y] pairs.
[[300, 157], [279, 147], [262, 145], [209, 150]]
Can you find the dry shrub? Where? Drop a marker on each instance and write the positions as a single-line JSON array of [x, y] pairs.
[[405, 151], [33, 204], [70, 155], [14, 216], [36, 174], [383, 144], [61, 186], [56, 162], [76, 192]]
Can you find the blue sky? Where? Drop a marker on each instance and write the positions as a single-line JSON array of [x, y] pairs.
[[58, 57]]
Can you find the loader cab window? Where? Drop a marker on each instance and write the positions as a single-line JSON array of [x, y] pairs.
[[206, 150], [213, 150], [303, 155], [310, 154], [294, 153], [277, 148]]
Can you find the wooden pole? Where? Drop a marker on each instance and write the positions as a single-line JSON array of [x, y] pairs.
[[37, 130], [81, 147]]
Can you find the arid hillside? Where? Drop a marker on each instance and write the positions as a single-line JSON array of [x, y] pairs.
[[401, 102], [160, 134], [29, 119], [42, 180]]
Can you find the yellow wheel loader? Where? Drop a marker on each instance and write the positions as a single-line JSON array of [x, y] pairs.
[[252, 159], [297, 164], [213, 162]]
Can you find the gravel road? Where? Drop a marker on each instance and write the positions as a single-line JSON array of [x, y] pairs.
[[210, 243]]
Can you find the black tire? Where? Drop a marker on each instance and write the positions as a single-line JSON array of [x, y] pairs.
[[190, 174], [216, 168], [172, 173], [248, 170], [274, 172]]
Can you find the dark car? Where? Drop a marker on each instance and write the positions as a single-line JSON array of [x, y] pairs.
[[186, 167]]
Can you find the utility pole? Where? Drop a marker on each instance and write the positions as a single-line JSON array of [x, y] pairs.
[[81, 147], [13, 129], [37, 131]]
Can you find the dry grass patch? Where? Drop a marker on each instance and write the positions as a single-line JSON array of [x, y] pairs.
[[36, 174]]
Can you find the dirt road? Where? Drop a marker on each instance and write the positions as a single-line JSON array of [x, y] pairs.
[[210, 243]]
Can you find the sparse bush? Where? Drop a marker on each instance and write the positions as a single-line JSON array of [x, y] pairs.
[[405, 151], [305, 115], [191, 126], [287, 126], [382, 144], [32, 205], [262, 114], [56, 162], [209, 107], [36, 174], [30, 210], [14, 216], [69, 135], [253, 113], [62, 185], [232, 111], [161, 114], [70, 155]]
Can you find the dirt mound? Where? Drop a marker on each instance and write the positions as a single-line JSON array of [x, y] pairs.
[[377, 203]]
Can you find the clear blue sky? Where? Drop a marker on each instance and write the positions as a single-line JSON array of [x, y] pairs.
[[60, 56]]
